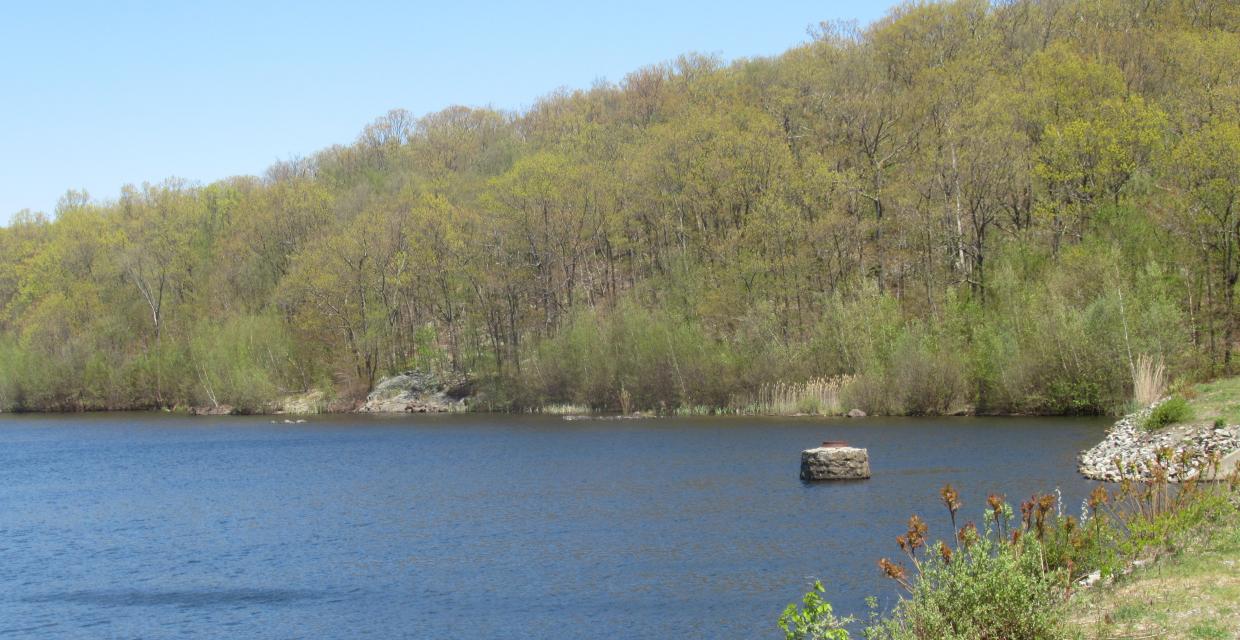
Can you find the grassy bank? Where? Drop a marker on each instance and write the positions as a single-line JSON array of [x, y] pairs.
[[1193, 594], [1193, 591]]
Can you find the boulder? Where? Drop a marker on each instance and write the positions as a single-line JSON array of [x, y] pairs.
[[418, 392], [835, 463], [855, 413]]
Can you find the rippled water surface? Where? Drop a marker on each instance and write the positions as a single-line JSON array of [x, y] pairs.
[[134, 525]]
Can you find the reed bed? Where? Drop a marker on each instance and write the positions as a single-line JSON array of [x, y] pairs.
[[816, 396]]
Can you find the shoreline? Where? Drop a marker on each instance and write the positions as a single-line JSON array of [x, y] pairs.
[[203, 412], [1130, 451]]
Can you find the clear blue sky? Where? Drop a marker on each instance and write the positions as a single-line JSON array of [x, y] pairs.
[[99, 94]]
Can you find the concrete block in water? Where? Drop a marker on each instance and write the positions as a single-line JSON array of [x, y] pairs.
[[835, 463]]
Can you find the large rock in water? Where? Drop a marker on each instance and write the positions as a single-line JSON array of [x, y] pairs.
[[835, 463]]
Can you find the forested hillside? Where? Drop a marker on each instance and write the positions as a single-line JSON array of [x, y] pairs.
[[1000, 205]]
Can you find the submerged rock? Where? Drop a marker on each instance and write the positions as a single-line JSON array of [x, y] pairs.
[[835, 463], [419, 392]]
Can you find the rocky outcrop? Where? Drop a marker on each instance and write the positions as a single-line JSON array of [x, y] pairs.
[[419, 392], [835, 463], [1129, 451]]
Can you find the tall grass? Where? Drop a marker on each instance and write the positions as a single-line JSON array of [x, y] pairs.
[[817, 396], [1149, 380]]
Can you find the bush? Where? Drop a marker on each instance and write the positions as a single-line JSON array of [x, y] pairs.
[[1174, 410], [926, 374], [815, 621], [991, 589]]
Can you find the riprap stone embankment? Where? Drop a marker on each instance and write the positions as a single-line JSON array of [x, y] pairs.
[[1128, 450]]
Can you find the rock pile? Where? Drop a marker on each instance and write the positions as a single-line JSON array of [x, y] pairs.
[[1128, 446]]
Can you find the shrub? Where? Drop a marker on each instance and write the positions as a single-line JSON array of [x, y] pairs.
[[661, 360], [990, 589], [815, 621], [870, 392], [1005, 581], [1174, 410], [926, 374]]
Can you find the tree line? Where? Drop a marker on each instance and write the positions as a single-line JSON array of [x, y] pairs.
[[996, 205]]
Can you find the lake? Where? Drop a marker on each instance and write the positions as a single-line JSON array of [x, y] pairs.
[[476, 526]]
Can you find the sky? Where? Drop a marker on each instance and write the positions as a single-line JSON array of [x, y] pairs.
[[95, 95]]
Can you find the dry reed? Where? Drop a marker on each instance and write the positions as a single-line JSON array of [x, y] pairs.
[[1149, 380], [817, 396]]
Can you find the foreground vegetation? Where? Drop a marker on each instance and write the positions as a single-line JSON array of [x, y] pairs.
[[1193, 595], [995, 205], [1146, 560]]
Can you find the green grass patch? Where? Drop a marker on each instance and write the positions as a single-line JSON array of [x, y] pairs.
[[1209, 631], [1192, 593], [1217, 400]]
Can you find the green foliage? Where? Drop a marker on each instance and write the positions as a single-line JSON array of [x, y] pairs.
[[814, 620], [996, 206], [241, 363], [10, 397], [663, 362], [1174, 410], [990, 590]]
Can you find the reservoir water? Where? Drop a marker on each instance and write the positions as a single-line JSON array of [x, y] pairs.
[[475, 526]]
